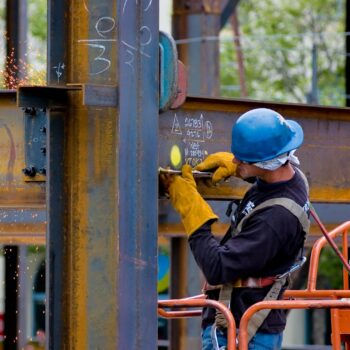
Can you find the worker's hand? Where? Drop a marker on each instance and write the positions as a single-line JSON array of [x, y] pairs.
[[187, 201], [222, 162]]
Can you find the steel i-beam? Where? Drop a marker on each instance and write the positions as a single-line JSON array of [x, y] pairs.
[[102, 176]]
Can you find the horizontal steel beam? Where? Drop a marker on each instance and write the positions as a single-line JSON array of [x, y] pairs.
[[200, 127], [57, 96], [203, 126]]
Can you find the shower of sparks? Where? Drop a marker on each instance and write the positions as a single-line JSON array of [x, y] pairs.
[[18, 72]]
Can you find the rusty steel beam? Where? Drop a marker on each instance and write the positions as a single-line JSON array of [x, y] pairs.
[[102, 176], [22, 225], [196, 27], [14, 191], [16, 45], [203, 126]]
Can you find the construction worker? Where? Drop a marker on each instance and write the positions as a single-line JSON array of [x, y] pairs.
[[268, 226]]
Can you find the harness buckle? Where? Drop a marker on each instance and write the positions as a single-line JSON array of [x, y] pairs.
[[296, 266]]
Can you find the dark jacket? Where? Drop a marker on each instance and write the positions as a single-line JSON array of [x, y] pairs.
[[268, 245]]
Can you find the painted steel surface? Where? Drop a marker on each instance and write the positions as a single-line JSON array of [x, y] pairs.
[[102, 176], [22, 204], [203, 126], [137, 176], [14, 191], [82, 234], [196, 26]]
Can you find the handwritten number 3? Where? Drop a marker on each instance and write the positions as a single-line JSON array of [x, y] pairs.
[[99, 58]]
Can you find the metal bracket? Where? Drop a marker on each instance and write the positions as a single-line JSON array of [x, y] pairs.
[[35, 100], [57, 96], [35, 144]]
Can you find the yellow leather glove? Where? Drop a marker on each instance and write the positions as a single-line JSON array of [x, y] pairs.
[[222, 162], [187, 201]]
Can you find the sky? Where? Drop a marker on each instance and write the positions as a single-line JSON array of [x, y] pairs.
[[165, 15]]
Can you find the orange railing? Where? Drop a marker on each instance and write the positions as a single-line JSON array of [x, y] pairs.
[[285, 304], [199, 302], [311, 291], [310, 298]]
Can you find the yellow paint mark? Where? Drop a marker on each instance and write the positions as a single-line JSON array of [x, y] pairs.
[[175, 156]]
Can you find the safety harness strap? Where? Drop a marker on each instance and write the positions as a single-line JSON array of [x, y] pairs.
[[226, 290], [287, 203], [258, 318], [225, 298]]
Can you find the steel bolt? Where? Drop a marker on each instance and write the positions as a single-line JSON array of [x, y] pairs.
[[29, 171], [30, 110]]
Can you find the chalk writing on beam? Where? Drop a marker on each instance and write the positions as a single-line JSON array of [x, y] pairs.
[[95, 40], [148, 5], [86, 7], [125, 2], [106, 62], [136, 50], [145, 29], [146, 8], [110, 25], [130, 63], [59, 70]]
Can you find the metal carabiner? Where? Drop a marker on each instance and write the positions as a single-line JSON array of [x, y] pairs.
[[214, 339]]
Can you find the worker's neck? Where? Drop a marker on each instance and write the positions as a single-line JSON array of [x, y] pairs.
[[284, 173]]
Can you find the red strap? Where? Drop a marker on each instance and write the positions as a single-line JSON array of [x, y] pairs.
[[252, 282]]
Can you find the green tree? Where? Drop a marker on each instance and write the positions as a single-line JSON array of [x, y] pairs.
[[37, 12], [330, 270], [279, 41]]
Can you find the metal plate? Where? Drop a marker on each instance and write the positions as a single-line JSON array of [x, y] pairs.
[[203, 126]]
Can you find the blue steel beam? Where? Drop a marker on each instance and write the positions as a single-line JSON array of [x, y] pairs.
[[138, 164]]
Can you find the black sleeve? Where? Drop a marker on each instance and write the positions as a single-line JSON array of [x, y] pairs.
[[244, 255]]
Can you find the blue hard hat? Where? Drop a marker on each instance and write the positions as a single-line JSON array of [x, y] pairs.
[[263, 134]]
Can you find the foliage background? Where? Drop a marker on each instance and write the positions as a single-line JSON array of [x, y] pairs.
[[280, 39]]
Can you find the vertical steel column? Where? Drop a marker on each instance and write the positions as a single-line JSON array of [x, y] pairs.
[[24, 300], [196, 24], [178, 289], [57, 317], [138, 163], [11, 297], [102, 177], [16, 28]]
